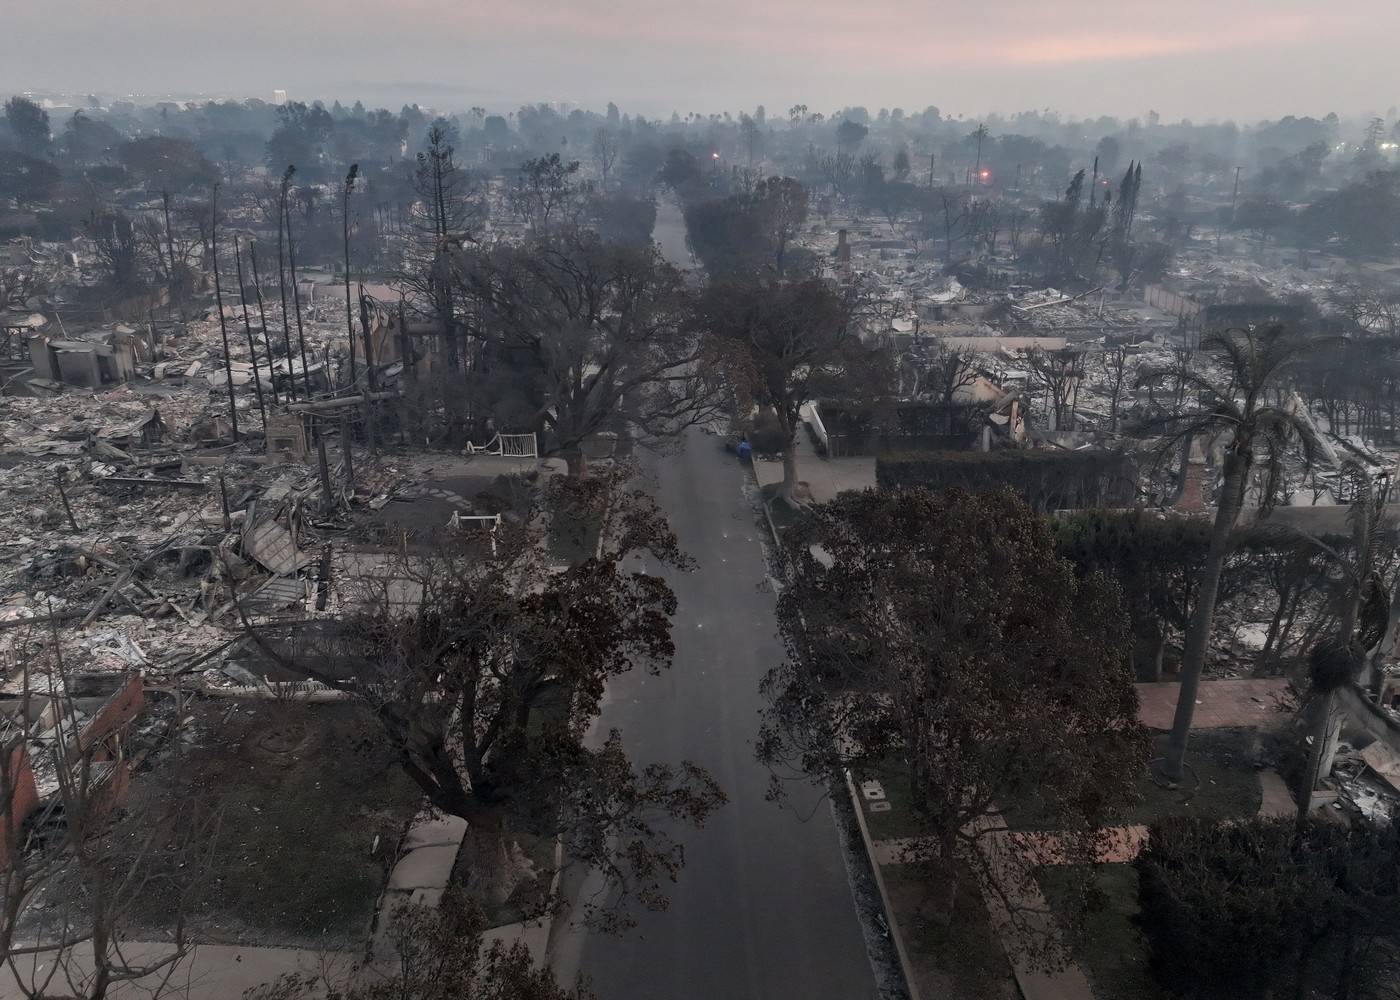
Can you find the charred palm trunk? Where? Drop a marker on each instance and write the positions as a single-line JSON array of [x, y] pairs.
[[1203, 615]]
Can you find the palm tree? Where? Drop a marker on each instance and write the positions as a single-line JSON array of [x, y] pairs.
[[1365, 618], [1253, 431]]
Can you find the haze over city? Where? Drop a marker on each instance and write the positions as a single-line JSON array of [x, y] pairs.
[[1192, 59], [699, 500]]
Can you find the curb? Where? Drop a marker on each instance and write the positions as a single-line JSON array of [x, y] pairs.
[[896, 934]]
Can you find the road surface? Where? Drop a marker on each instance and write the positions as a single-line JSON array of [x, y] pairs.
[[763, 908], [669, 233]]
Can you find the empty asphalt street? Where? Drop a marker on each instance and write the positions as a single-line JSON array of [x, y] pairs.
[[764, 908]]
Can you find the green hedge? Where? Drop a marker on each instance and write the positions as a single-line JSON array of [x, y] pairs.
[[1047, 479]]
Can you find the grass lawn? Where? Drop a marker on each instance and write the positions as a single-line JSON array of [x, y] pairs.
[[300, 792], [1110, 949], [963, 960], [784, 515], [573, 534], [899, 820], [1226, 787]]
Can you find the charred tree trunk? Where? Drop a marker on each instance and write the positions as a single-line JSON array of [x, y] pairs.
[[296, 303], [262, 317], [219, 303], [282, 281], [345, 229]]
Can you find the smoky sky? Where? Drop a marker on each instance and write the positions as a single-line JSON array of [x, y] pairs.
[[1200, 59]]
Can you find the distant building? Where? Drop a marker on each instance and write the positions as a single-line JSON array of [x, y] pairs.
[[279, 97]]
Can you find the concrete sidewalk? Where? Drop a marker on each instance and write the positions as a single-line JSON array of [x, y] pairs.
[[423, 870], [825, 477], [209, 972]]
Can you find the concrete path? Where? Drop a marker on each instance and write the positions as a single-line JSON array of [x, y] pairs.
[[825, 477], [1244, 702], [763, 909], [209, 972], [1278, 801], [429, 852], [1026, 934]]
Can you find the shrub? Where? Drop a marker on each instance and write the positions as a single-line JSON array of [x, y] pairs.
[[1046, 479], [1258, 909]]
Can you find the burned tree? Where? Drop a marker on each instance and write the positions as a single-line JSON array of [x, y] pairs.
[[75, 867], [170, 167], [348, 189], [605, 151], [282, 195], [1057, 374], [447, 211], [544, 191], [296, 290], [116, 242], [946, 371], [1115, 369], [223, 320]]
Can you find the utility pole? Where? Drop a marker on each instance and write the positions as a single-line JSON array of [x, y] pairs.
[[345, 224], [248, 329], [369, 342], [219, 301], [1219, 229], [296, 297], [262, 315], [369, 370], [345, 448], [282, 278], [930, 171]]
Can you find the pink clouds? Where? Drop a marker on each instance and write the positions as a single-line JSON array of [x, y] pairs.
[[1196, 57], [1008, 31]]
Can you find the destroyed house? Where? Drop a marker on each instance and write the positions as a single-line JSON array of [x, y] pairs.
[[77, 740], [106, 358], [145, 431]]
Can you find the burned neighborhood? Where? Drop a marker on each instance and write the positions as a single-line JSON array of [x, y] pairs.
[[524, 547]]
